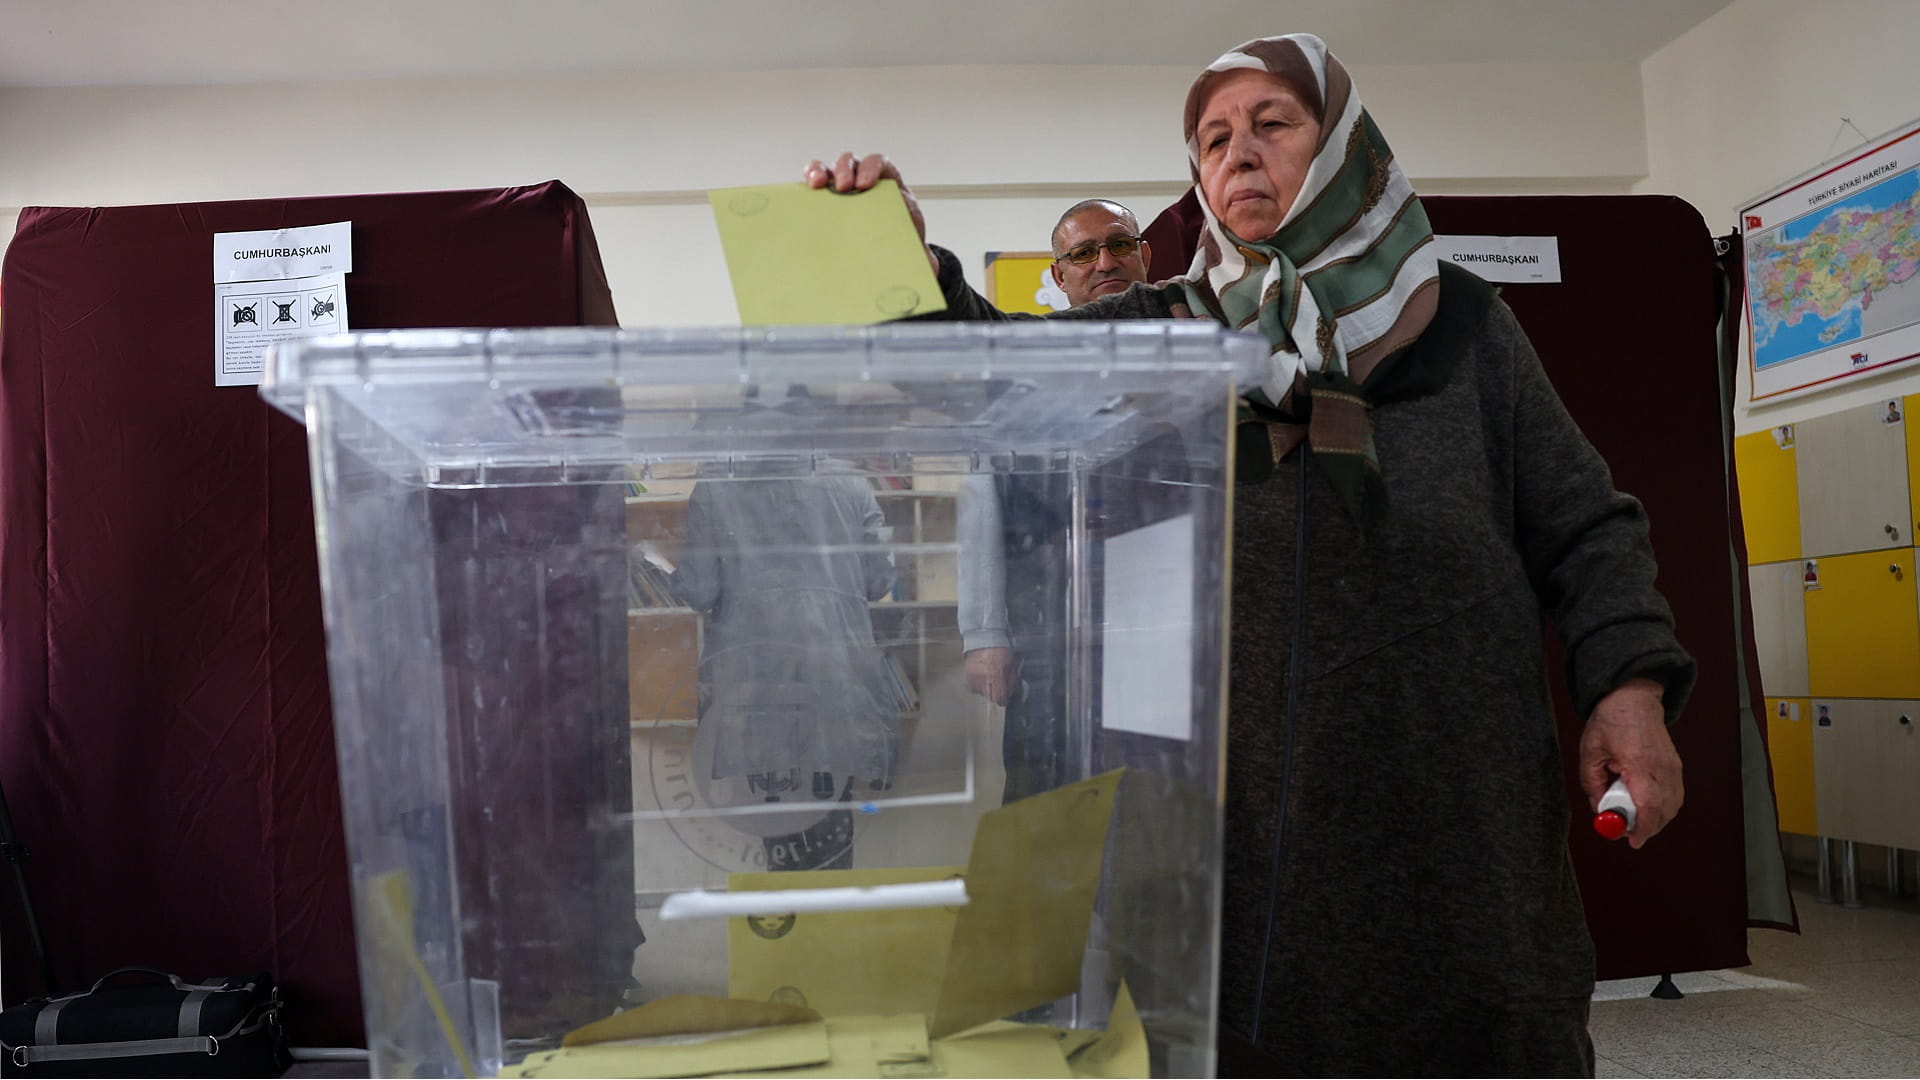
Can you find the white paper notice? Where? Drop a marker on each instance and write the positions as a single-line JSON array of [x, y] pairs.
[[283, 254], [1146, 665], [1533, 259], [274, 285]]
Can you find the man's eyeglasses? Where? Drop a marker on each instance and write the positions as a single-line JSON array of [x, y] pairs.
[[1118, 246]]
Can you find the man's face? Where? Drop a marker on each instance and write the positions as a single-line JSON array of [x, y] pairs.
[[1105, 274]]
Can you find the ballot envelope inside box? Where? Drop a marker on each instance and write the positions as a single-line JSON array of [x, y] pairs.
[[826, 701]]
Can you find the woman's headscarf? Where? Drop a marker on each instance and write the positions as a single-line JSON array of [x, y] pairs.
[[1348, 281]]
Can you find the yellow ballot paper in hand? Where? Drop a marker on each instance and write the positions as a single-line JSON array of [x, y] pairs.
[[1031, 881], [800, 255]]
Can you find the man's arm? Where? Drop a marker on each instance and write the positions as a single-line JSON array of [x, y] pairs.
[[982, 565], [876, 560]]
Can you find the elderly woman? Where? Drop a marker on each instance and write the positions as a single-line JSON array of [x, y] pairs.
[[1399, 899]]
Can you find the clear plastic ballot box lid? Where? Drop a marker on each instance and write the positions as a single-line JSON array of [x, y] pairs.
[[833, 700]]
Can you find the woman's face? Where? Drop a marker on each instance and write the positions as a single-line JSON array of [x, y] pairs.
[[1256, 136]]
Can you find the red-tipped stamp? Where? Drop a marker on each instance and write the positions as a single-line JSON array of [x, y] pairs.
[[1613, 818]]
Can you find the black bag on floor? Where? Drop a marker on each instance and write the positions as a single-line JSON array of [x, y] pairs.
[[160, 1026]]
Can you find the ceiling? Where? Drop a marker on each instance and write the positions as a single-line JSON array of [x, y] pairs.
[[147, 42]]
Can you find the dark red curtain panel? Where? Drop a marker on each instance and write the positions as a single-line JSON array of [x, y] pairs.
[[1628, 338], [1174, 237], [166, 738]]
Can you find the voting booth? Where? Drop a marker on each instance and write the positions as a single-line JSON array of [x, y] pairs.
[[687, 651]]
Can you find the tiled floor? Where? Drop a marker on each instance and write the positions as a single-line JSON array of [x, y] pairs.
[[1840, 999]]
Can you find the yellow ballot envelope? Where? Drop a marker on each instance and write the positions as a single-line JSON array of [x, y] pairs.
[[864, 1046], [702, 1054], [1031, 881], [1031, 878], [1122, 1050], [389, 898], [904, 992], [804, 256], [842, 963]]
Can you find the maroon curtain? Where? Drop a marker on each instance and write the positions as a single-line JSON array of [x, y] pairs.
[[1174, 237], [1628, 337], [166, 739]]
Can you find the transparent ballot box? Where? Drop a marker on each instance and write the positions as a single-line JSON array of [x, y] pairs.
[[826, 701]]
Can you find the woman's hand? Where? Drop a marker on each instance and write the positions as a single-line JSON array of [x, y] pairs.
[[848, 174], [1627, 737]]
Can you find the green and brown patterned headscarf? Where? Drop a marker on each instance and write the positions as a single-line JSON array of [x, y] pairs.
[[1347, 283]]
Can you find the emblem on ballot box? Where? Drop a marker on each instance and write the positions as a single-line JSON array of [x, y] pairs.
[[771, 927], [809, 836]]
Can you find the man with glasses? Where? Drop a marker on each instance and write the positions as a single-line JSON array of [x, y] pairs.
[[1097, 250]]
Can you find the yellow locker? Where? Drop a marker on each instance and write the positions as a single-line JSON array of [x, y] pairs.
[[1790, 746], [1913, 466], [1769, 494], [1863, 626]]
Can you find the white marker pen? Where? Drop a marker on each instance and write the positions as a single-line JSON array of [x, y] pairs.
[[1614, 817]]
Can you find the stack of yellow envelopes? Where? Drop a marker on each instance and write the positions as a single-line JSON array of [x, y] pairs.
[[903, 992]]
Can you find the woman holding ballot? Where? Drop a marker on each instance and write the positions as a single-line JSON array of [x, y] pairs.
[[1399, 899]]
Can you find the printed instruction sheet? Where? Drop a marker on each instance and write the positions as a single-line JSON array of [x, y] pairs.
[[274, 285]]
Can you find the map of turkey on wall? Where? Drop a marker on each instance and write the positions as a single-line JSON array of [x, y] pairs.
[[1839, 274]]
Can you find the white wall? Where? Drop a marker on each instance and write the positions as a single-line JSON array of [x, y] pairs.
[[1752, 97], [995, 152]]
